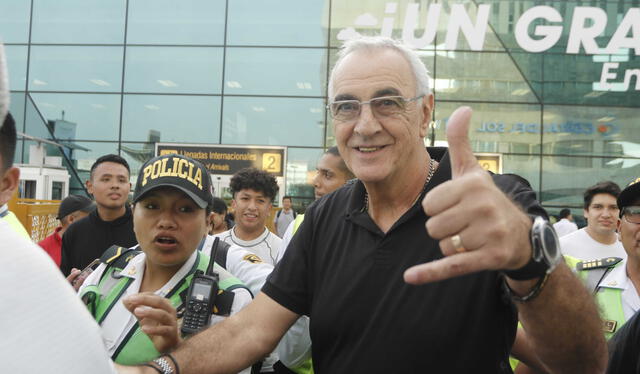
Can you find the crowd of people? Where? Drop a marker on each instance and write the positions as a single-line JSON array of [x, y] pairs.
[[411, 259]]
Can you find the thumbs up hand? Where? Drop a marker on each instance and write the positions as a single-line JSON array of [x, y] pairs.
[[478, 226]]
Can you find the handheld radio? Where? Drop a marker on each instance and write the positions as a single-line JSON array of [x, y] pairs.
[[201, 297]]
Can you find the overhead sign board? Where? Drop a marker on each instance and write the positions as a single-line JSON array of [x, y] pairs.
[[227, 160]]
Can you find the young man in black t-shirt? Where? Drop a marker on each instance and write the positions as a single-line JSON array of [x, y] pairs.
[[109, 224]]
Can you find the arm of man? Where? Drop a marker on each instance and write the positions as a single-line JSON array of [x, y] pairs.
[[562, 321], [233, 344], [563, 324]]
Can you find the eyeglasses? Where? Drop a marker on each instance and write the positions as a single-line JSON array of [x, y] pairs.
[[387, 106], [631, 214]]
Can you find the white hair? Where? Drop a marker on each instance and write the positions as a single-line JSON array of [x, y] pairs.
[[4, 86], [380, 42]]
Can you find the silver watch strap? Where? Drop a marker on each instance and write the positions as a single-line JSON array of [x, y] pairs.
[[164, 365]]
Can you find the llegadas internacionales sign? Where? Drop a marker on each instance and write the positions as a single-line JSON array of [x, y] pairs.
[[227, 160]]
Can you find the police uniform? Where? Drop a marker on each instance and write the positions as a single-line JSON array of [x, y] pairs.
[[614, 291], [118, 322], [121, 271]]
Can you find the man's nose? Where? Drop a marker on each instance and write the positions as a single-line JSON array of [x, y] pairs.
[[366, 124]]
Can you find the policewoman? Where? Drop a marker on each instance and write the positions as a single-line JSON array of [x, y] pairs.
[[137, 294]]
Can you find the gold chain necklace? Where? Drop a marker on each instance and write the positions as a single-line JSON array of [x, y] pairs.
[[432, 169]]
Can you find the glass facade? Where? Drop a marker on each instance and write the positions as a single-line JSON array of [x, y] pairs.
[[555, 92]]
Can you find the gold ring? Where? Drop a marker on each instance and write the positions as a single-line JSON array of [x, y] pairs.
[[456, 240]]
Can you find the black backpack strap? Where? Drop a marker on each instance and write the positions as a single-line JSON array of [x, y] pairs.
[[221, 254], [117, 257]]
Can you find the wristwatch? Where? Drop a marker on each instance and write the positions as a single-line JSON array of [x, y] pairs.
[[545, 252]]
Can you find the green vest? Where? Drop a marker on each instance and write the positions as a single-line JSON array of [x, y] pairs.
[[609, 299], [307, 366], [137, 347], [15, 224]]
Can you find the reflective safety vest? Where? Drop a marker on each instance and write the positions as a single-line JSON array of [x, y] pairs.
[[609, 299], [137, 347], [592, 273], [307, 366], [15, 224], [297, 222]]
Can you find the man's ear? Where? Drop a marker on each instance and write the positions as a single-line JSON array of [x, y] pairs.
[[89, 186], [427, 109], [8, 184]]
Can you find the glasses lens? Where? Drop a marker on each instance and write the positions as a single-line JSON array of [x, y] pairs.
[[387, 106], [632, 214], [345, 110]]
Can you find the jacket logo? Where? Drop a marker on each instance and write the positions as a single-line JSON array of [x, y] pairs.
[[252, 258], [179, 167]]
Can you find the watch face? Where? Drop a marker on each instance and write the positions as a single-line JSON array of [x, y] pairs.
[[550, 243]]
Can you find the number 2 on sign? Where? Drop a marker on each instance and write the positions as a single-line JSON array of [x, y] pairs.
[[271, 162]]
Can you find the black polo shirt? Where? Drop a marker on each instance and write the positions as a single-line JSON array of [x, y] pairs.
[[347, 275], [88, 238]]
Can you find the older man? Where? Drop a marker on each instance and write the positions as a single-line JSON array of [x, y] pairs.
[[346, 267]]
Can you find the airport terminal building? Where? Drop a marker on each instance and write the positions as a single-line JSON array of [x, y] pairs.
[[554, 85]]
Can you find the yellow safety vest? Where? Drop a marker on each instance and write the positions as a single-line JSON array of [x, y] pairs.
[[15, 224], [609, 299]]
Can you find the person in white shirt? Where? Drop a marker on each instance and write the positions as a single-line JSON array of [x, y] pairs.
[[253, 193], [137, 298], [599, 238], [284, 216], [565, 225], [45, 328]]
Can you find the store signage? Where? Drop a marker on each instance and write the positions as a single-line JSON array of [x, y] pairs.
[[227, 160], [569, 127], [587, 24]]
